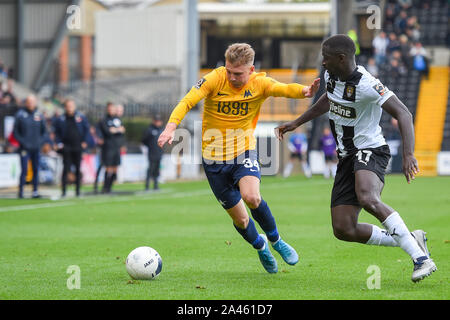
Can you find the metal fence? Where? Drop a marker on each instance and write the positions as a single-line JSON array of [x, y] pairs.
[[141, 96]]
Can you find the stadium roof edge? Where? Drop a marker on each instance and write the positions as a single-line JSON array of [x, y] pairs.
[[263, 7]]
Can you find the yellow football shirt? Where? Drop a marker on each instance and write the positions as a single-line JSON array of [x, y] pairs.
[[229, 114]]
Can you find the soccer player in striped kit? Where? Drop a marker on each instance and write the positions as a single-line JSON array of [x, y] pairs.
[[354, 101]]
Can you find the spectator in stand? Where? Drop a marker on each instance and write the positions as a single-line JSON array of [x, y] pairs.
[[425, 4], [405, 4], [393, 44], [392, 132], [420, 58], [372, 67], [390, 17], [418, 49], [394, 68], [29, 131], [3, 70], [54, 118], [413, 28], [397, 55], [380, 43], [354, 36], [7, 97], [404, 50], [71, 136], [401, 22]]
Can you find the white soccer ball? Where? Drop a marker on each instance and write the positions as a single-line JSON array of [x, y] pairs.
[[144, 263]]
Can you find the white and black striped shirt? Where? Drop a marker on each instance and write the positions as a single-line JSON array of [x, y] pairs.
[[355, 111]]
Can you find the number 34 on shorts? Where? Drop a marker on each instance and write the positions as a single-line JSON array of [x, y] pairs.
[[253, 165]]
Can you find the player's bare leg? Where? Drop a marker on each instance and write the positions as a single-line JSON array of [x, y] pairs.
[[368, 189], [344, 219], [347, 228], [239, 215], [249, 188]]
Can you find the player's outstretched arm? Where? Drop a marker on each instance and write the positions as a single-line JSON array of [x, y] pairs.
[[179, 112], [318, 109], [291, 90], [198, 92], [399, 111]]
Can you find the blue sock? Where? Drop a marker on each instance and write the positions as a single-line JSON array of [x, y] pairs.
[[250, 234], [266, 221]]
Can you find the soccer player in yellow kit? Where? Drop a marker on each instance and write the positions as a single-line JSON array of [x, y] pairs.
[[233, 97]]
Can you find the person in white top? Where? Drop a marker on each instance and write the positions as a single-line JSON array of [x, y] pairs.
[[380, 43], [354, 101]]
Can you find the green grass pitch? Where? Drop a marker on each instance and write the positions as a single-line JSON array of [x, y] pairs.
[[203, 256]]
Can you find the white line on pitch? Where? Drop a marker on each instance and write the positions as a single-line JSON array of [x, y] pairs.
[[36, 206], [153, 196]]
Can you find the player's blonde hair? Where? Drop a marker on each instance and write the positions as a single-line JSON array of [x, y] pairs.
[[240, 54]]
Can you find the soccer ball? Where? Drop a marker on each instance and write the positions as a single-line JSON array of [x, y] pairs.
[[144, 263]]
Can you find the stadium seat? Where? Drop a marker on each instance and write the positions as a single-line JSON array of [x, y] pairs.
[[403, 80]]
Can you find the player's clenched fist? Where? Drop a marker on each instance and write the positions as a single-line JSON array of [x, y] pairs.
[[167, 135]]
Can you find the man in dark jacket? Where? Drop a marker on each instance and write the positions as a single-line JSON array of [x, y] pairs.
[[71, 137], [150, 140], [29, 131]]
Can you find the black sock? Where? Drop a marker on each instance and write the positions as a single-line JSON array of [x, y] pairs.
[[108, 182], [113, 178]]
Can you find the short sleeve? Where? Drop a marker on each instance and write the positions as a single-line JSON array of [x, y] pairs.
[[376, 92]]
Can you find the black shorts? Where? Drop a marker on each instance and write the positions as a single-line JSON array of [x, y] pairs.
[[372, 159], [111, 157]]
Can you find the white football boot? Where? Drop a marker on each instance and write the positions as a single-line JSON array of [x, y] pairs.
[[423, 266]]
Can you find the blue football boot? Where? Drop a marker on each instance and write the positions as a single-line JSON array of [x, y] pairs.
[[286, 251], [267, 259]]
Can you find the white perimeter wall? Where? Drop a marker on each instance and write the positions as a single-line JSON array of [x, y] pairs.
[[146, 38]]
